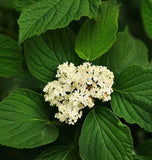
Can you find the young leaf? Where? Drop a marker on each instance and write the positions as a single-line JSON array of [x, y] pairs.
[[103, 136], [59, 153], [44, 53], [24, 120], [50, 14], [132, 97], [96, 37], [147, 16], [10, 57], [125, 52]]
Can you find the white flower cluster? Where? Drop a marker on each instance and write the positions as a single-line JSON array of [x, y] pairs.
[[76, 88]]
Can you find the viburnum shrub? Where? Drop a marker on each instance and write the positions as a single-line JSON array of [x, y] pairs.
[[94, 80], [76, 88]]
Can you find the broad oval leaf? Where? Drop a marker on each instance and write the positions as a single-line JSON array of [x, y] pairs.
[[44, 53], [125, 52], [147, 16], [59, 153], [132, 97], [96, 37], [104, 137], [50, 14], [24, 120], [10, 57]]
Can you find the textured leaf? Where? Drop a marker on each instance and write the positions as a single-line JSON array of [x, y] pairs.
[[10, 57], [125, 52], [21, 4], [59, 153], [24, 120], [103, 136], [44, 53], [96, 37], [132, 97], [50, 14], [147, 16], [93, 8]]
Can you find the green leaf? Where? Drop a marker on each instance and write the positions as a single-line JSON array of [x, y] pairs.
[[44, 53], [59, 153], [96, 37], [10, 57], [21, 4], [125, 52], [103, 136], [24, 120], [132, 97], [147, 16], [93, 8], [50, 14]]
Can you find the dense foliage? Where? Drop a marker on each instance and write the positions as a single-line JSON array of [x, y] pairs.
[[36, 36]]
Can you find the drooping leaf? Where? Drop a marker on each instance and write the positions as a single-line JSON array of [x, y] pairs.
[[10, 57], [96, 37], [24, 120], [44, 53], [125, 52], [50, 14], [59, 153], [132, 97], [103, 136], [147, 16]]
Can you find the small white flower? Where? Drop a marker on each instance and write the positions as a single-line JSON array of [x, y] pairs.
[[75, 89]]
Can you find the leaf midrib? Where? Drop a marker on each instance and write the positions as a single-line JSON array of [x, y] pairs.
[[101, 132], [36, 21]]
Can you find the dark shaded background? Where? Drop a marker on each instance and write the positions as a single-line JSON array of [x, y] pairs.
[[130, 15]]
